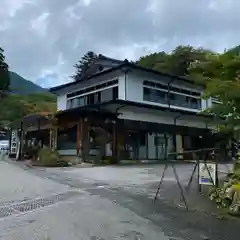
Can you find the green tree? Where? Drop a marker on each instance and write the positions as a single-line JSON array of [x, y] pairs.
[[156, 61], [179, 62], [184, 57], [17, 106], [83, 65], [4, 75], [222, 80]]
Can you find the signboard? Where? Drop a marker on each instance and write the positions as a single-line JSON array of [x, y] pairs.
[[207, 173], [14, 142]]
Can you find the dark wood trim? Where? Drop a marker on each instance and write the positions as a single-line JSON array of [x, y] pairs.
[[146, 145], [78, 134]]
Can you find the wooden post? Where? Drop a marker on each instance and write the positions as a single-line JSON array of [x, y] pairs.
[[114, 143], [85, 139], [79, 138], [39, 138], [21, 143], [51, 138], [179, 146]]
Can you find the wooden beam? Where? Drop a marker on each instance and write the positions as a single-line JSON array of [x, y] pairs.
[[114, 144], [79, 136]]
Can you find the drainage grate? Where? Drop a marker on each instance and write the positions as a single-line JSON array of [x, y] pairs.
[[6, 211], [36, 203]]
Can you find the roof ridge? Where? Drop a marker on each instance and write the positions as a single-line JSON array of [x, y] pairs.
[[104, 57]]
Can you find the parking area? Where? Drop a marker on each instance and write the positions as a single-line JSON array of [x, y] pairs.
[[111, 202], [143, 180], [17, 185]]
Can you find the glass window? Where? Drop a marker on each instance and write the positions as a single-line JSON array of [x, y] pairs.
[[195, 103], [81, 101], [172, 96], [158, 85], [97, 97], [146, 94], [107, 95], [161, 96], [69, 103], [67, 138], [181, 100], [74, 103], [90, 99], [92, 88], [115, 93], [154, 95], [142, 139]]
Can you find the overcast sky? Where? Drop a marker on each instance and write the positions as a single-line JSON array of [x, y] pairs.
[[43, 39]]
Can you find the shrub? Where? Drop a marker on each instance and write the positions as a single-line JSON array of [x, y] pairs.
[[109, 160], [50, 158]]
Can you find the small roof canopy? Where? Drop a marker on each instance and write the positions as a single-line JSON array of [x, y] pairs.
[[32, 119]]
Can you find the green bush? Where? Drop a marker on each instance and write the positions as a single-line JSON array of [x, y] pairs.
[[108, 160], [50, 158]]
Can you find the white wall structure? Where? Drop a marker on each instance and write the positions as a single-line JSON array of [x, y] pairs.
[[130, 87], [156, 116], [62, 102], [134, 90], [63, 94]]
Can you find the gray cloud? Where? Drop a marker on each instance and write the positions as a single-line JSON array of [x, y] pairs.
[[43, 39]]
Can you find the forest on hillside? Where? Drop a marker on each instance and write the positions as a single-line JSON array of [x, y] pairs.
[[15, 106], [19, 97]]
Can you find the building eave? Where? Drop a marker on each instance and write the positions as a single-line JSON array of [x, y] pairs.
[[54, 90], [126, 66]]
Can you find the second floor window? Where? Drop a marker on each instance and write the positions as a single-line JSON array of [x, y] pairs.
[[93, 98], [162, 97]]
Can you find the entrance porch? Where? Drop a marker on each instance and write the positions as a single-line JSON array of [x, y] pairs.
[[146, 141]]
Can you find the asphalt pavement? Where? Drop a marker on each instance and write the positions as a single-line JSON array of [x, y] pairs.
[[104, 203]]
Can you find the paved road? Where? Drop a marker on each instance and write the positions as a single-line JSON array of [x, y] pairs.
[[100, 203]]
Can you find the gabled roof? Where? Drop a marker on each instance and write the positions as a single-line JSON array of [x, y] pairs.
[[123, 65], [103, 57], [100, 62]]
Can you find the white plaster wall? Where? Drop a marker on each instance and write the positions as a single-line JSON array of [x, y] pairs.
[[143, 151], [148, 115], [206, 103], [61, 102], [121, 87], [151, 146], [134, 89]]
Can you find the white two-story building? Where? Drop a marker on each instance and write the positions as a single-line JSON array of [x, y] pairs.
[[154, 112]]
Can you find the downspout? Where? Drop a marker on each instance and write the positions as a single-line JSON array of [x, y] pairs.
[[20, 157], [169, 85], [125, 84], [115, 135], [174, 139], [127, 65]]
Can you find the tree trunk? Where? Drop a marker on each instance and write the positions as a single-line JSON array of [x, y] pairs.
[[236, 168]]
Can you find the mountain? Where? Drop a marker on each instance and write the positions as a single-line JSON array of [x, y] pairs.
[[20, 85]]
